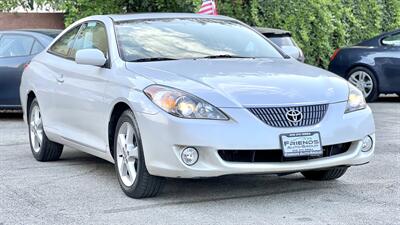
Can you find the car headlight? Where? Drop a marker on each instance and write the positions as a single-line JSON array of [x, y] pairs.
[[182, 104], [356, 100]]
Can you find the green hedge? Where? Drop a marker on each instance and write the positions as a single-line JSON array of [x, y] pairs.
[[318, 26]]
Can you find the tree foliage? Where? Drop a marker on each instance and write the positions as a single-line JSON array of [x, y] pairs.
[[318, 26]]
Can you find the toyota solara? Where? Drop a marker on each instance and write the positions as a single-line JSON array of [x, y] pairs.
[[190, 96]]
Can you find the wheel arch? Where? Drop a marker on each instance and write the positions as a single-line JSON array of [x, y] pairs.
[[30, 97], [117, 110]]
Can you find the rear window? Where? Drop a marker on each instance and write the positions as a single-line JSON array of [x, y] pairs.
[[282, 41], [15, 45]]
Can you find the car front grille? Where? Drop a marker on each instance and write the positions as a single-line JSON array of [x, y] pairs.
[[263, 156], [277, 116]]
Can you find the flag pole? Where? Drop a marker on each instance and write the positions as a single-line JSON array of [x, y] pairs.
[[216, 7]]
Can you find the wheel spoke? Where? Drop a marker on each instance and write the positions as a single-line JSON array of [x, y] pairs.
[[36, 117], [121, 141], [123, 168], [364, 92], [39, 125], [362, 76], [132, 171], [37, 139], [33, 138], [129, 133], [354, 80], [39, 134]]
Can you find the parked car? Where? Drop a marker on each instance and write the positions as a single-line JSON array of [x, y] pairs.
[[284, 40], [17, 48], [188, 96], [373, 65]]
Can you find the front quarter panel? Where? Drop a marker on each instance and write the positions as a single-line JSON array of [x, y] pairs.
[[126, 86]]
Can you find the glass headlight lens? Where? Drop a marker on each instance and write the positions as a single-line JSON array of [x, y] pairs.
[[356, 100], [182, 104]]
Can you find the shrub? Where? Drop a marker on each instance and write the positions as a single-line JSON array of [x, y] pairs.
[[318, 26]]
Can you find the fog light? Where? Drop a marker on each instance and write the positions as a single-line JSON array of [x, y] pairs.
[[366, 144], [190, 156]]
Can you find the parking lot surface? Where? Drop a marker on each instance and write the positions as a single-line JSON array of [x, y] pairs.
[[82, 189]]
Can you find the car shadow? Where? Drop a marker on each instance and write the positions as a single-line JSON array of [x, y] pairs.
[[192, 191], [6, 115], [391, 99]]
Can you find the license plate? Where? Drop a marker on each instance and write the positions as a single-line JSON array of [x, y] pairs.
[[301, 144]]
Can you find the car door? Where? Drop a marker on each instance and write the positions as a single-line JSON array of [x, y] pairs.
[[49, 91], [15, 53], [79, 99], [390, 63]]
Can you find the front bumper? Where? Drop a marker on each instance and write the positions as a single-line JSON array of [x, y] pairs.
[[164, 137]]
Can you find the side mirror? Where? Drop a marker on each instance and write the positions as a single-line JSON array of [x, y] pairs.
[[292, 51], [93, 57]]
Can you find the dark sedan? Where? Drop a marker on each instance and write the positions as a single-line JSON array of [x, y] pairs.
[[373, 65], [17, 48]]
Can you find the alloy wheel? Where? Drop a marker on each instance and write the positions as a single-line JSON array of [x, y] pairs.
[[127, 154], [363, 81], [36, 129]]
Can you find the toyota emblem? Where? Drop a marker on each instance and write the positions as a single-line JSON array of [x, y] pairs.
[[294, 115]]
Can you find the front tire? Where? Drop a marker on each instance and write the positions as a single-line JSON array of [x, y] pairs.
[[328, 174], [42, 148], [130, 166]]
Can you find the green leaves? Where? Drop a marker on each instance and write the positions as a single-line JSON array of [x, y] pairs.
[[321, 26], [318, 26]]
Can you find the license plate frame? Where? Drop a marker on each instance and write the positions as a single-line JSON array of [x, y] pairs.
[[292, 149]]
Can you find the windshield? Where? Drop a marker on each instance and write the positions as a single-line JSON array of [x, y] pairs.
[[190, 38]]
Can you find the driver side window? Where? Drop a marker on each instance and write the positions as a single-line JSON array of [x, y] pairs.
[[92, 35], [62, 46], [393, 40]]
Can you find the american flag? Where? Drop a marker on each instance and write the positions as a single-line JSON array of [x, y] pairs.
[[208, 7]]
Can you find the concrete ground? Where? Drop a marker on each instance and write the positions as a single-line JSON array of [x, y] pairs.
[[82, 189]]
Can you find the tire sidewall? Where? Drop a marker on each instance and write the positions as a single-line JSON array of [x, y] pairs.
[[375, 91], [129, 117]]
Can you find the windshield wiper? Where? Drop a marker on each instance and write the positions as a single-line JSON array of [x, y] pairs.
[[152, 59], [223, 56]]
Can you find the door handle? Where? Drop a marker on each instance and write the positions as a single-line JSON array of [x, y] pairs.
[[60, 78]]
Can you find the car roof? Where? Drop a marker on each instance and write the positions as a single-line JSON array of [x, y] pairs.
[[49, 32], [272, 31], [375, 41], [139, 16], [44, 36]]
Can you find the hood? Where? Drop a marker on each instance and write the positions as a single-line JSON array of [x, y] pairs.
[[247, 82]]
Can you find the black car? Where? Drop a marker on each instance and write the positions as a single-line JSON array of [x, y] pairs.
[[373, 65], [17, 48], [284, 40]]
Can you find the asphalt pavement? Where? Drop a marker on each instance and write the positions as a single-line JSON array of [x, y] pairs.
[[82, 189]]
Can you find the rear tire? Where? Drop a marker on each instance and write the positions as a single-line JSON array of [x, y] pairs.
[[42, 148], [370, 94], [329, 174], [130, 166]]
